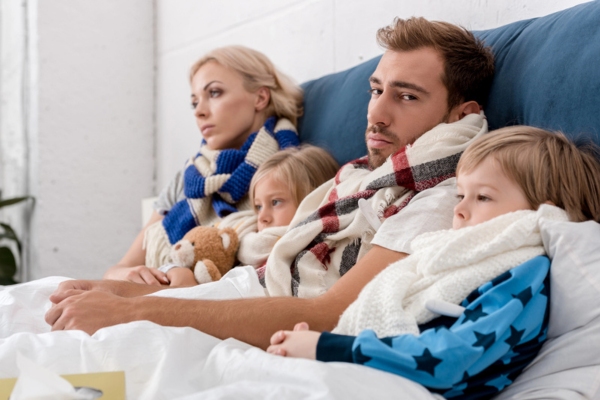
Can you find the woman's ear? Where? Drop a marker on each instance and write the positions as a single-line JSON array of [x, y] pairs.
[[263, 96]]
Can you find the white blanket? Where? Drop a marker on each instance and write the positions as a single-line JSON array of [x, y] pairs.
[[180, 363]]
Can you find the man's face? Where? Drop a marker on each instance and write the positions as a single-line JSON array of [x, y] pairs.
[[408, 98]]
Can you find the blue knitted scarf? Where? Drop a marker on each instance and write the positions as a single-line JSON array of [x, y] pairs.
[[220, 179]]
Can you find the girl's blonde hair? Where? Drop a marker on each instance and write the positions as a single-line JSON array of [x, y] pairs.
[[258, 71], [302, 168], [546, 165]]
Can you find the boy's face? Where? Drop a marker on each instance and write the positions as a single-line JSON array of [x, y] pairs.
[[273, 203], [484, 193]]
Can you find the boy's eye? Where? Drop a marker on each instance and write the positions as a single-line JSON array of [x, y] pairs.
[[460, 196], [482, 198]]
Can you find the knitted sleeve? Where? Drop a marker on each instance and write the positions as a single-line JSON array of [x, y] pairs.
[[478, 354]]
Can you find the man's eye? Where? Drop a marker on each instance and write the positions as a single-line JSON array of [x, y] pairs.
[[375, 92], [408, 97]]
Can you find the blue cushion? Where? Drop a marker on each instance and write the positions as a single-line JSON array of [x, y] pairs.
[[547, 75]]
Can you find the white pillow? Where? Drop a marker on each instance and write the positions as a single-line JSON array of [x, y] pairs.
[[568, 365]]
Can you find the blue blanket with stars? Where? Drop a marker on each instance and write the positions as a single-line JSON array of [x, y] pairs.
[[473, 356]]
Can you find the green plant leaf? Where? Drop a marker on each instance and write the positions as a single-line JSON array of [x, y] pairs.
[[15, 200], [8, 264], [9, 233]]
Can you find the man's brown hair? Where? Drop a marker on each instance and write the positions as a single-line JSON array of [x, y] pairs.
[[546, 165], [468, 63]]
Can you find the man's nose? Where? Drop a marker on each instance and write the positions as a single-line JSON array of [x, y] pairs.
[[378, 113]]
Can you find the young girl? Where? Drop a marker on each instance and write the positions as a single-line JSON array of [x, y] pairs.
[[486, 276], [246, 111], [276, 190]]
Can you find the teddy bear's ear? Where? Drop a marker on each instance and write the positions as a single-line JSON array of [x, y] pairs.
[[226, 240]]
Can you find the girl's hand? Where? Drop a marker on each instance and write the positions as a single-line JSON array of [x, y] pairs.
[[181, 277], [300, 342]]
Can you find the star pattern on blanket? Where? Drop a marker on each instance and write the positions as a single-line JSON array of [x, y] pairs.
[[524, 296], [427, 362], [515, 336], [500, 382], [485, 340], [474, 315]]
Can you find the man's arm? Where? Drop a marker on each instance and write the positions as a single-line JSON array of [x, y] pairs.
[[250, 320]]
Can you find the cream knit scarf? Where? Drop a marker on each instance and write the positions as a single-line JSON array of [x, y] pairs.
[[322, 245], [445, 265]]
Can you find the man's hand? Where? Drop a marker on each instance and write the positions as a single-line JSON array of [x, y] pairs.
[[138, 274], [118, 288], [300, 342], [89, 311], [181, 277]]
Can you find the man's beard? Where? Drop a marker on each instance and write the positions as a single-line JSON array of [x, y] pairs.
[[376, 157]]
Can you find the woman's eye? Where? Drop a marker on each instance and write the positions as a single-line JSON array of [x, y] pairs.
[[194, 105], [214, 93], [375, 92]]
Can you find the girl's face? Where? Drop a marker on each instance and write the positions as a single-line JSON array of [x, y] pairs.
[[226, 113], [273, 203], [484, 193]]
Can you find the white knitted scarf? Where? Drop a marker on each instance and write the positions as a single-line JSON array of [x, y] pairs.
[[445, 265], [322, 245], [255, 247]]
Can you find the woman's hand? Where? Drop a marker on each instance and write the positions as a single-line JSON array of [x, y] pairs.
[[300, 342], [138, 274], [181, 277]]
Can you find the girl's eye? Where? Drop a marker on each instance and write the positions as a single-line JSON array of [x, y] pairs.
[[275, 202], [257, 207], [375, 92]]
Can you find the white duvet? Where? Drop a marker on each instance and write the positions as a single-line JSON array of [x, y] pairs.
[[181, 363]]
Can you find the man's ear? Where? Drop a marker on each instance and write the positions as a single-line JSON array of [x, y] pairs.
[[263, 95], [464, 109]]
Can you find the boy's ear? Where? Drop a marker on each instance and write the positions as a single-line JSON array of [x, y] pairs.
[[262, 99], [464, 109]]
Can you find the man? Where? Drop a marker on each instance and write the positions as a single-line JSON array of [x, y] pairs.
[[430, 73]]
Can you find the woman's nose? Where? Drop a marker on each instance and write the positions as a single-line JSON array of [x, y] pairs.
[[201, 109]]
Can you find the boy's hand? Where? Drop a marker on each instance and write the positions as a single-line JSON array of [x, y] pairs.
[[181, 277], [300, 342]]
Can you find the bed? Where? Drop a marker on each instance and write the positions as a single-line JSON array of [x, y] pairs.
[[547, 76]]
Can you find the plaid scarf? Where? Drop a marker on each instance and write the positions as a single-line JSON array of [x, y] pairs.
[[214, 181], [323, 245]]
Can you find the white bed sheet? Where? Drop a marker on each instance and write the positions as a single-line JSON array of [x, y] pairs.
[[171, 363]]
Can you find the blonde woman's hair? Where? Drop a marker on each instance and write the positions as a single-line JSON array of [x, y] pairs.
[[302, 168], [546, 165], [258, 71]]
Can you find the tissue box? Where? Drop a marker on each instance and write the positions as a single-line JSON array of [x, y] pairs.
[[112, 384]]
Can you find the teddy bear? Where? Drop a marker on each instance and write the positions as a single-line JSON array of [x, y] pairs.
[[208, 251]]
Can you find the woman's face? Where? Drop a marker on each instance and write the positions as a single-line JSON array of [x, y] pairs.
[[226, 113]]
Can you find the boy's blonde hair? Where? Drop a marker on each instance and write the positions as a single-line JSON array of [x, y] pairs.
[[546, 165], [258, 71], [302, 168]]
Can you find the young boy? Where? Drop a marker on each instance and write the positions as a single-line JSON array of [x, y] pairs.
[[489, 263]]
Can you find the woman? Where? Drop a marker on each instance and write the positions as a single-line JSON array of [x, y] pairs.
[[246, 110]]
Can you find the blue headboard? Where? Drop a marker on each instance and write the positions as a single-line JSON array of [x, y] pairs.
[[547, 75]]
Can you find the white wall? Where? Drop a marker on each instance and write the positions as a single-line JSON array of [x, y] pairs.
[[304, 38], [95, 132]]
